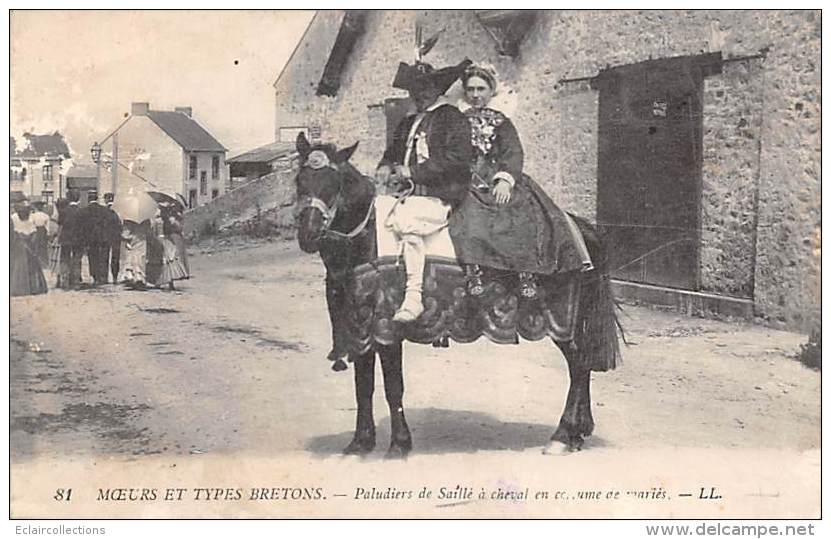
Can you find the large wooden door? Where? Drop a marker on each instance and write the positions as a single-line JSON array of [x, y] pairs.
[[649, 170]]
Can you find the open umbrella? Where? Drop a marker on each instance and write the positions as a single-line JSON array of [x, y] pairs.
[[164, 198], [135, 207]]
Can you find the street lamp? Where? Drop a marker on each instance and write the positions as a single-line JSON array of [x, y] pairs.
[[95, 152]]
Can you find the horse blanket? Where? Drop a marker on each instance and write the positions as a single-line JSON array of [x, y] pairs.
[[500, 314]]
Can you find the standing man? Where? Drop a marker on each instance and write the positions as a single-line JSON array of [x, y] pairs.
[[71, 240], [430, 156], [97, 240], [114, 235]]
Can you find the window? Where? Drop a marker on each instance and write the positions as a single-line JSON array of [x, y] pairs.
[[192, 198], [47, 173], [215, 167], [214, 193], [203, 183], [48, 196], [193, 166]]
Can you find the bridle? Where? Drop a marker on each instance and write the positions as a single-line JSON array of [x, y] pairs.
[[330, 211]]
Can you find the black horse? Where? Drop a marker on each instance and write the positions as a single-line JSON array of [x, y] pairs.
[[335, 218]]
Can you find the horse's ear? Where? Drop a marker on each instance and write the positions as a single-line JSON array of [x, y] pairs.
[[302, 144], [342, 156]]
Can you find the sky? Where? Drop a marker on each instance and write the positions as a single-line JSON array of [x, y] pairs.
[[77, 72]]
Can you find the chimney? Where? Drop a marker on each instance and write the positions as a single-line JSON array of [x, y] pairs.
[[139, 109], [187, 111]]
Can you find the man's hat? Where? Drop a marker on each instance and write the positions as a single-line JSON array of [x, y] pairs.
[[419, 75]]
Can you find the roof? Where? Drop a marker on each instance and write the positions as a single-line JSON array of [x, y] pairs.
[[42, 145], [265, 154], [185, 131], [82, 171]]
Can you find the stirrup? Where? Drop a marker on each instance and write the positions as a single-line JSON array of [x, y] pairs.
[[527, 286]]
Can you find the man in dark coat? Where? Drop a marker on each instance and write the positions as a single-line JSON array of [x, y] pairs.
[[71, 239], [431, 153], [114, 235], [96, 233]]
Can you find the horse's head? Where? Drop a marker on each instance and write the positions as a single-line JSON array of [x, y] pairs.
[[320, 187]]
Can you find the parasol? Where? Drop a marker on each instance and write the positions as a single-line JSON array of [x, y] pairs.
[[165, 199], [135, 207]]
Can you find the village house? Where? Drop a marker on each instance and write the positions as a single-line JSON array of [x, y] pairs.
[[168, 151], [690, 137], [259, 162], [35, 168]]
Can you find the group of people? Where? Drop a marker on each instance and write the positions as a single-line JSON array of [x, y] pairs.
[[464, 170], [150, 253]]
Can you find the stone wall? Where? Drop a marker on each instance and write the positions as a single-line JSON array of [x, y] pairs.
[[272, 195], [760, 208]]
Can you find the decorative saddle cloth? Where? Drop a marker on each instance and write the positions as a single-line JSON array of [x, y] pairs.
[[500, 314]]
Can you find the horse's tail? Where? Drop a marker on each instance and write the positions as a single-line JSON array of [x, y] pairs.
[[596, 335]]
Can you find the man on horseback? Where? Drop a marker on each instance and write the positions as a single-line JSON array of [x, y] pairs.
[[429, 158]]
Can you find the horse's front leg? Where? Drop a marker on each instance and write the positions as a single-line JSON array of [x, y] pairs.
[[364, 439], [335, 302], [576, 420], [401, 441]]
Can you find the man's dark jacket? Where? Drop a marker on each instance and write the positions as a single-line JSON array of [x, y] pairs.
[[96, 224], [71, 233], [446, 172]]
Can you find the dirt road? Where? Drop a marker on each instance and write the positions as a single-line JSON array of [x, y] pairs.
[[231, 368]]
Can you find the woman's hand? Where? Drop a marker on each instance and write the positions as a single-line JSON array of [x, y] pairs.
[[501, 192]]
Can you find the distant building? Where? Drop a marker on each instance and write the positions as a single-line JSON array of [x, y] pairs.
[[260, 161], [35, 168], [165, 151]]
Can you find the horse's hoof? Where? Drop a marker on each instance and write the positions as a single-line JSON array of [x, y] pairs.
[[556, 447], [339, 365], [397, 452], [359, 447], [335, 355]]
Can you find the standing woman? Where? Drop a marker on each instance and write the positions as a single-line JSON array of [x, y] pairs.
[[507, 222], [25, 274], [134, 254], [174, 265]]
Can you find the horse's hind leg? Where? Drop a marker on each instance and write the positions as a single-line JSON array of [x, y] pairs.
[[576, 420], [401, 441], [364, 439]]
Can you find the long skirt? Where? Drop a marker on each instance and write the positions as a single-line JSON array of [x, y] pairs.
[[134, 261], [527, 234], [172, 267], [25, 274], [181, 250]]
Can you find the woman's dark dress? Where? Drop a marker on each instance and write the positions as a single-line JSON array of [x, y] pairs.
[[25, 274], [527, 234]]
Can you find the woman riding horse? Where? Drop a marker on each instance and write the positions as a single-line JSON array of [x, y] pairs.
[[508, 223]]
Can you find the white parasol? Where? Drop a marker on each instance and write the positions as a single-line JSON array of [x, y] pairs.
[[135, 207]]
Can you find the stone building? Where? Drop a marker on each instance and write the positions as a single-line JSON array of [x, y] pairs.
[[169, 151], [692, 138], [36, 168]]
